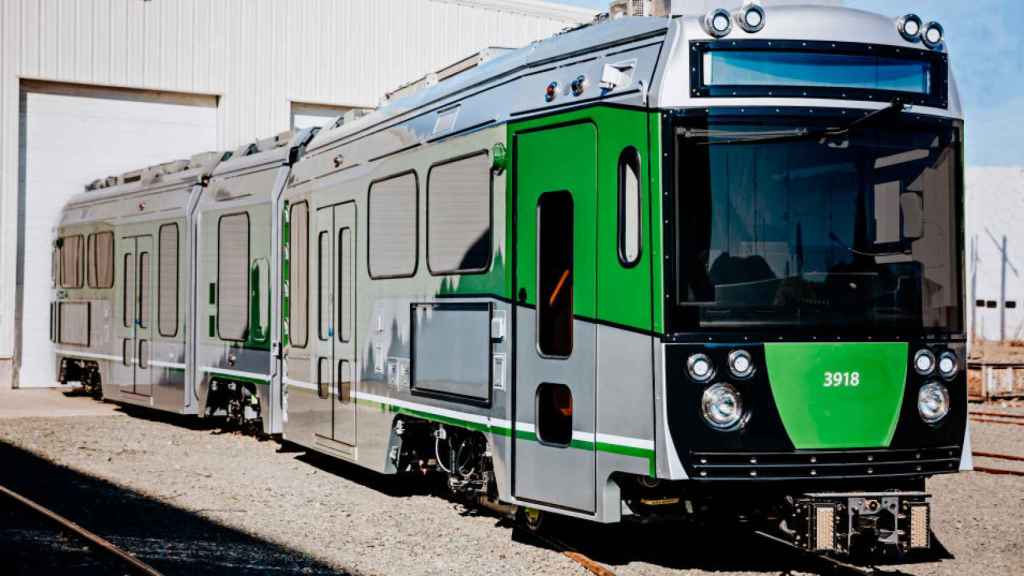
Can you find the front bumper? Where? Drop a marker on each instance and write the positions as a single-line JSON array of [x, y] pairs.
[[861, 522]]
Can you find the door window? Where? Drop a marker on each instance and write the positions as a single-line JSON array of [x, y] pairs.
[[555, 274]]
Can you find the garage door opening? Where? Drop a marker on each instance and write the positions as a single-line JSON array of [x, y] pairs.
[[69, 136]]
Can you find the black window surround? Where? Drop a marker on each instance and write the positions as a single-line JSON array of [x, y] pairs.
[[939, 61]]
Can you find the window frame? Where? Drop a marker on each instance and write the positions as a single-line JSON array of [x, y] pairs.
[[177, 279], [220, 290], [416, 233], [621, 217], [490, 216], [291, 288]]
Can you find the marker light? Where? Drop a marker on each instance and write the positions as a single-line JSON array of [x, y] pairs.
[[924, 362], [551, 91], [751, 18], [933, 35], [910, 27], [933, 402], [722, 406], [741, 365], [718, 23], [700, 368], [948, 364]]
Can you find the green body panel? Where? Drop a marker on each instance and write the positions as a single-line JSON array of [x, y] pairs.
[[575, 144], [824, 406], [624, 294]]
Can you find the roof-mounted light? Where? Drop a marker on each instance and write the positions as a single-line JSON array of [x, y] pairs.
[[910, 27], [933, 35], [751, 17], [718, 23]]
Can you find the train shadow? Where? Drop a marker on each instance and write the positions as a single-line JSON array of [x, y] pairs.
[[394, 485], [172, 540], [682, 546]]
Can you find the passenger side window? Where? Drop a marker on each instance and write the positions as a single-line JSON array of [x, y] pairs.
[[629, 207], [101, 260], [393, 226], [298, 275], [233, 277], [555, 274], [71, 255], [459, 216], [167, 279]]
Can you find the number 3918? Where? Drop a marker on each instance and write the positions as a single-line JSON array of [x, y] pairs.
[[842, 379]]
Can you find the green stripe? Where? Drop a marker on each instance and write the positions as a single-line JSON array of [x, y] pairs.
[[222, 376]]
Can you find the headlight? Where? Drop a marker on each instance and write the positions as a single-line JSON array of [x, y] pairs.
[[910, 27], [933, 402], [718, 23], [741, 365], [751, 18], [722, 406], [700, 368], [933, 35], [948, 365], [924, 362]]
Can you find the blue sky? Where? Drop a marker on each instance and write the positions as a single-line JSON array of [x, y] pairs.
[[987, 54]]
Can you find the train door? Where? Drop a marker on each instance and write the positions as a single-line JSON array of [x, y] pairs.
[[135, 254], [335, 253], [554, 459], [345, 305]]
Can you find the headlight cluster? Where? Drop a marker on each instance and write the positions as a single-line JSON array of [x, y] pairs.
[[914, 30], [933, 397], [750, 18], [721, 403]]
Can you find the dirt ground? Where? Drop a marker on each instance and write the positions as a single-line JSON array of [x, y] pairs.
[[190, 499]]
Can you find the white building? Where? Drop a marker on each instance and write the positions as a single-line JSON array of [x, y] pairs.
[[995, 253], [90, 88]]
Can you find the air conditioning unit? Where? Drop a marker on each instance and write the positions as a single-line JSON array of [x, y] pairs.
[[619, 8]]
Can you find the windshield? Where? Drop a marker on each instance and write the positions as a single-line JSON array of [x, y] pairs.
[[857, 232]]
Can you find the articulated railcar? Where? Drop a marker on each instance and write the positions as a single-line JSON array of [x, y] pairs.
[[697, 267]]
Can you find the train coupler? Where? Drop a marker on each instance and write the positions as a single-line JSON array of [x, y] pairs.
[[886, 523]]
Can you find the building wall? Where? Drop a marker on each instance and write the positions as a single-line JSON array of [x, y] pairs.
[[995, 210], [255, 56]]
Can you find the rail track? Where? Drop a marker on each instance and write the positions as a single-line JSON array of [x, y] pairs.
[[131, 564], [826, 564], [997, 456]]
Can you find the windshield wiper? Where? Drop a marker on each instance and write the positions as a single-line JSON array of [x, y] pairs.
[[795, 134]]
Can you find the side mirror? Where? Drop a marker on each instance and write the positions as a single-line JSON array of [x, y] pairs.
[[912, 208]]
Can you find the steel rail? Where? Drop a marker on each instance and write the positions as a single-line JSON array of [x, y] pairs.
[[998, 471], [998, 414], [137, 566], [998, 456], [995, 421], [595, 568]]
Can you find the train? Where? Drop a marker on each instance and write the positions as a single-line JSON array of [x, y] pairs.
[[702, 267]]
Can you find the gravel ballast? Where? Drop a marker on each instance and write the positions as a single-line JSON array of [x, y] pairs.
[[254, 506]]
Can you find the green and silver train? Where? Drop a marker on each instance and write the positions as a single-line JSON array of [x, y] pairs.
[[695, 267]]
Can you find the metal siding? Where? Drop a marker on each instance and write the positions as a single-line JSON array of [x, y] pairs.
[[256, 55]]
